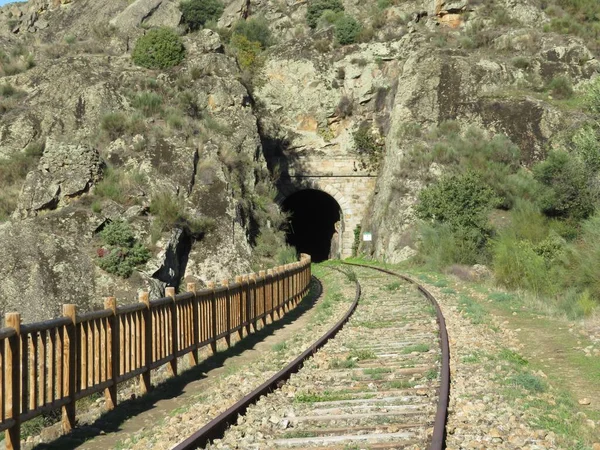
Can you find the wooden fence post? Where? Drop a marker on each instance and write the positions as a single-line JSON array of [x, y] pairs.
[[225, 283], [263, 294], [238, 279], [247, 302], [13, 381], [170, 292], [252, 297], [213, 308], [293, 284], [147, 342], [280, 298], [69, 363], [270, 290], [114, 352], [194, 355]]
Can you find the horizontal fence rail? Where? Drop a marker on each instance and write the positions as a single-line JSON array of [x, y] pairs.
[[49, 365]]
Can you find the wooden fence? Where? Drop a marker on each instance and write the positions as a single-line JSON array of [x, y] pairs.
[[49, 365]]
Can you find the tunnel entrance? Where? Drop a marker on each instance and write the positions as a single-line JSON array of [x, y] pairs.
[[312, 229]]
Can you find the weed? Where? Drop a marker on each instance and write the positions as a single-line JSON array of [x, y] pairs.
[[473, 310], [512, 357], [342, 364], [393, 286], [431, 374], [149, 103], [418, 348], [280, 347], [528, 382], [473, 358], [119, 185], [362, 354], [401, 384], [325, 396], [501, 297], [560, 87]]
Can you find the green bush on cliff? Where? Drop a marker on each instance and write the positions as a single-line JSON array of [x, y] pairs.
[[255, 30], [246, 52], [347, 30], [366, 145], [463, 202], [196, 13], [160, 48], [566, 192], [317, 7], [13, 171], [169, 211], [121, 253]]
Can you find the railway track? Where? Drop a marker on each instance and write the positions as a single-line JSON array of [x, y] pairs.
[[380, 380]]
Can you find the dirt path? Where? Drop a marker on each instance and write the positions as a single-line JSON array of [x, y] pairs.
[[560, 351]]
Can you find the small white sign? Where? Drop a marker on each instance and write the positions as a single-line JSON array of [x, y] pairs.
[[367, 237]]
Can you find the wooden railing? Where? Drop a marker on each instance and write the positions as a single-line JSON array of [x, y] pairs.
[[49, 365]]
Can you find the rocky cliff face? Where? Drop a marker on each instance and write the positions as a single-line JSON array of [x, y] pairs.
[[116, 136]]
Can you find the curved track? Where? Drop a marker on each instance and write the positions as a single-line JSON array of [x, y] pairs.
[[383, 382]]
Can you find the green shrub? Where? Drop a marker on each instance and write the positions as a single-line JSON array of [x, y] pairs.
[[517, 265], [246, 52], [521, 62], [462, 201], [365, 144], [528, 222], [123, 254], [120, 186], [317, 7], [13, 171], [356, 241], [495, 158], [592, 96], [286, 255], [169, 211], [566, 191], [160, 48], [347, 30], [254, 30], [8, 90], [586, 144], [117, 234], [583, 270], [114, 123], [329, 18], [560, 87], [196, 13], [149, 103], [441, 245]]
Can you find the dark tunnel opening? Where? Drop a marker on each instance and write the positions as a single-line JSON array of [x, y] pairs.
[[312, 228]]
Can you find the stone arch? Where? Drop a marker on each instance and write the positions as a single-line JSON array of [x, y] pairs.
[[287, 189]]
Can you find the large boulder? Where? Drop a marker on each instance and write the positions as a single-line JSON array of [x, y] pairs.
[[151, 12], [41, 270], [64, 172]]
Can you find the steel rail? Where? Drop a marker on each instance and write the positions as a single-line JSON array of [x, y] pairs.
[[216, 428], [438, 439]]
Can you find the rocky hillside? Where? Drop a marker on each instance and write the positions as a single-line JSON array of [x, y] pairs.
[[89, 139]]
